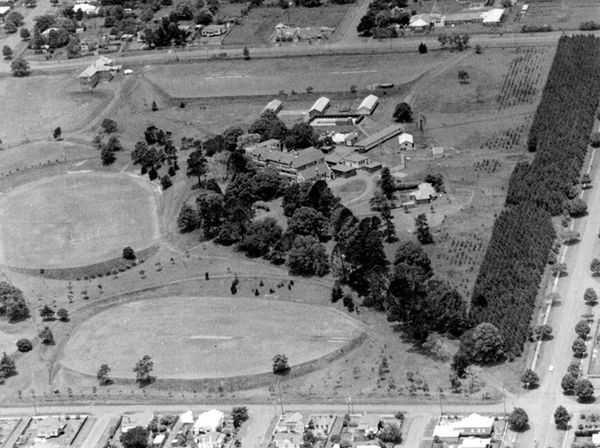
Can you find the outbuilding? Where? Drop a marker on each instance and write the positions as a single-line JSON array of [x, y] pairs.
[[209, 421], [319, 107], [368, 105], [273, 106], [405, 141]]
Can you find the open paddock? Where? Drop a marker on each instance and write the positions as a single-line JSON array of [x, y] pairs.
[[207, 337], [271, 76]]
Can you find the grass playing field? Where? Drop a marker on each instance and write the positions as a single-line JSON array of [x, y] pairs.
[[206, 337], [76, 219]]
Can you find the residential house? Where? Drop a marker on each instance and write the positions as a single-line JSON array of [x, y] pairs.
[[379, 137], [493, 16], [213, 30], [287, 439], [49, 427], [360, 162], [424, 194], [209, 421], [290, 423], [319, 107], [186, 418], [130, 421], [271, 145], [368, 105], [210, 440], [405, 141], [86, 8], [418, 25], [465, 430], [102, 69], [159, 439], [4, 9]]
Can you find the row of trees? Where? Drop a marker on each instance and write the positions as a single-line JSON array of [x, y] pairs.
[[522, 237]]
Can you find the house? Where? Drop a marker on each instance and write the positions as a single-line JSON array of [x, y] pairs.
[[131, 421], [465, 429], [368, 105], [379, 137], [465, 17], [49, 427], [360, 162], [86, 8], [284, 33], [347, 139], [307, 164], [47, 32], [4, 10], [405, 141], [287, 439], [291, 423], [273, 106], [271, 145], [418, 25], [319, 107], [493, 16], [209, 421], [210, 440], [100, 70], [343, 171], [213, 30], [186, 418], [159, 439], [423, 195]]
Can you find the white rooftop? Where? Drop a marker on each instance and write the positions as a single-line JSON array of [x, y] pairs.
[[475, 442], [493, 15], [418, 23], [405, 137]]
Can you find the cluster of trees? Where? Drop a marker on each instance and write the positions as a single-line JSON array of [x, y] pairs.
[[61, 29], [382, 17], [156, 150], [111, 146], [13, 21], [456, 40], [7, 368], [299, 136], [12, 303], [523, 235]]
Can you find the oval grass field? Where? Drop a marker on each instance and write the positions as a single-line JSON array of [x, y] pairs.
[[206, 337], [76, 219]]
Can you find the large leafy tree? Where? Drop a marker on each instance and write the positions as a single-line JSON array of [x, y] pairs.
[[269, 126], [197, 165], [143, 370], [308, 257], [487, 344], [260, 237], [135, 438], [308, 221]]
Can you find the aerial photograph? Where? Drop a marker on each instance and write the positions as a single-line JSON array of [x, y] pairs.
[[299, 224]]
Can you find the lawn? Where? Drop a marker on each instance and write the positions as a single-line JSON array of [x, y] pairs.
[[76, 219], [207, 337]]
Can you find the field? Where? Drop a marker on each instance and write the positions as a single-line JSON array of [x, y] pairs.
[[259, 25], [270, 77], [76, 219], [205, 337], [40, 104]]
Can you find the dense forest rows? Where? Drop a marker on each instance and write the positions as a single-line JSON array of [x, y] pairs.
[[506, 287]]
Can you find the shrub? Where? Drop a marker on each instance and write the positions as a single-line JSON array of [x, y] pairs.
[[24, 345]]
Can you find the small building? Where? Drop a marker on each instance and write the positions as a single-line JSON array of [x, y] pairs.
[[47, 32], [493, 16], [424, 195], [100, 70], [405, 141], [4, 10], [141, 419], [209, 421], [213, 30], [186, 418], [347, 139], [291, 423], [287, 439], [86, 8], [368, 105], [210, 440], [273, 106], [475, 442], [159, 439], [462, 18], [343, 171], [268, 145], [319, 107], [452, 430], [418, 25], [379, 137]]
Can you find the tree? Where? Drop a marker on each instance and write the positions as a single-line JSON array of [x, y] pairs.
[[478, 49], [308, 257], [12, 303], [561, 418], [568, 383], [423, 234], [582, 329], [109, 126], [165, 181], [46, 336], [387, 183], [128, 253], [584, 389], [530, 379], [366, 25], [544, 332], [107, 156], [422, 48], [403, 113], [154, 106], [307, 221], [188, 219], [63, 315], [24, 33], [197, 165], [301, 136], [260, 237], [595, 267], [518, 419], [388, 221], [102, 375], [336, 292], [574, 368], [135, 438], [239, 415], [7, 367], [24, 345], [390, 433], [590, 296], [463, 76], [47, 313], [488, 344], [579, 348], [7, 52], [569, 236], [559, 269], [280, 365], [143, 370], [246, 53], [576, 207]]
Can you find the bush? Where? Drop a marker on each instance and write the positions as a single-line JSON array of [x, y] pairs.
[[24, 345], [128, 253]]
